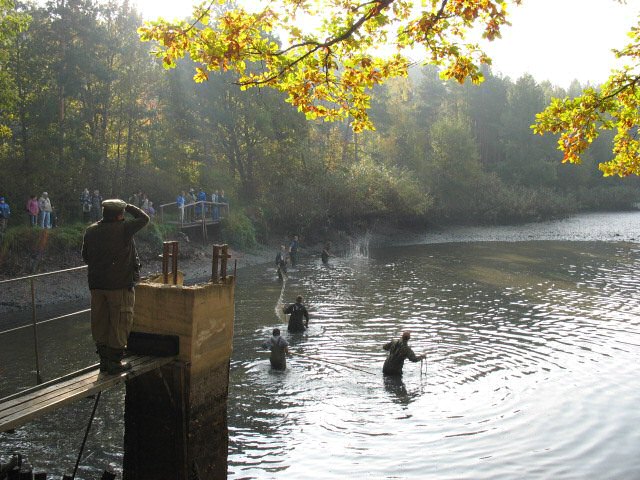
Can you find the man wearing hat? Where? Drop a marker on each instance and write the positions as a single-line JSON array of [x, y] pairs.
[[399, 351], [109, 250]]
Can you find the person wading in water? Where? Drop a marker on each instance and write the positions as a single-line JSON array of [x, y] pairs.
[[399, 350], [281, 262], [297, 311], [279, 350], [325, 254]]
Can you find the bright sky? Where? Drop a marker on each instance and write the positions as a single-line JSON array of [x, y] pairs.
[[555, 40]]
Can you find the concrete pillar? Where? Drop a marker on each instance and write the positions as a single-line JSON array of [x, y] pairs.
[[176, 417]]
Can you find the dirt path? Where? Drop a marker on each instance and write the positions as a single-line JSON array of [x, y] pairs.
[[70, 288]]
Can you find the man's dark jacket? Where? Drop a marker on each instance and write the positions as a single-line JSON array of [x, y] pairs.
[[297, 311], [399, 350], [109, 250]]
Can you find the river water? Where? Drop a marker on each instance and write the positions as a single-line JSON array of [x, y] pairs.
[[532, 336]]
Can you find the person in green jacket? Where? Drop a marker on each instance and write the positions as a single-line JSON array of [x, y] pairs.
[[109, 250], [399, 351]]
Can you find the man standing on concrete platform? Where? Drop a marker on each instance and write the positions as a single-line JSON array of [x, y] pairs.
[[109, 250]]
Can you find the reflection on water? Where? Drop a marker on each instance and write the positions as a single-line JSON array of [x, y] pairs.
[[531, 353], [531, 372]]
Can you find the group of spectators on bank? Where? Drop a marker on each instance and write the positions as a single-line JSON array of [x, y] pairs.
[[193, 206], [91, 205], [40, 210], [141, 200], [92, 209]]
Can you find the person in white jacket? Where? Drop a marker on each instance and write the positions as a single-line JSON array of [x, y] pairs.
[[44, 203]]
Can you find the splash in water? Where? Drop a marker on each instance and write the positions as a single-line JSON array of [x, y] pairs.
[[359, 247]]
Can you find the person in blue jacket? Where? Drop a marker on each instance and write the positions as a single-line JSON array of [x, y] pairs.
[[181, 201], [201, 208], [5, 213]]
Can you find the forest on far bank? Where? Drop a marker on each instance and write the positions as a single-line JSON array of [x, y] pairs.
[[87, 106]]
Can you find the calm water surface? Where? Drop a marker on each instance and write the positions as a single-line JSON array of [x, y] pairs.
[[532, 352]]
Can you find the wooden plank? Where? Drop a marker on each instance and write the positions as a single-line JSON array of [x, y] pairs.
[[18, 409], [70, 387], [55, 386], [46, 386], [37, 406]]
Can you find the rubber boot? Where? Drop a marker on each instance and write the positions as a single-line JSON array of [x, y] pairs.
[[115, 364], [104, 360]]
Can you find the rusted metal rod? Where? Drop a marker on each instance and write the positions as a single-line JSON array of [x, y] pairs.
[[174, 261], [214, 264], [170, 251], [165, 262], [86, 434], [35, 331], [223, 261]]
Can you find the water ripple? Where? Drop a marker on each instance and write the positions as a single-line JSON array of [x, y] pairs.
[[529, 348]]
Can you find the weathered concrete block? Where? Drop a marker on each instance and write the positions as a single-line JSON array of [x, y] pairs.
[[176, 417]]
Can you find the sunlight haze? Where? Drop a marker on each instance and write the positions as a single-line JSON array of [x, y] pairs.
[[555, 40]]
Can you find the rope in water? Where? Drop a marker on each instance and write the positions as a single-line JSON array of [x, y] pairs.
[[280, 302], [333, 363]]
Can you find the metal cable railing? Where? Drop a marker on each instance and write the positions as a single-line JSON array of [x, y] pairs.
[[34, 323], [170, 254]]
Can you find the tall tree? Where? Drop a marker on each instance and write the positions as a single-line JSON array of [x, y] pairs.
[[327, 72], [12, 22]]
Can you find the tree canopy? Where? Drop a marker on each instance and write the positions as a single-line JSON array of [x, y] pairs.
[[328, 71], [11, 23], [614, 106], [85, 107]]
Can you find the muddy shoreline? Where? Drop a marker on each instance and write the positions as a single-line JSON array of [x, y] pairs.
[[70, 289]]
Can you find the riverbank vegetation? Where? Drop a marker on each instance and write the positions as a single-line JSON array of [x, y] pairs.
[[91, 108]]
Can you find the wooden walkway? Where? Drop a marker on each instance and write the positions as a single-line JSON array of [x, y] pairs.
[[20, 408]]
